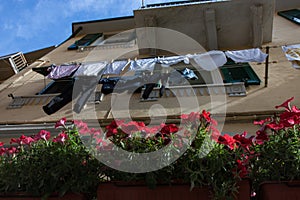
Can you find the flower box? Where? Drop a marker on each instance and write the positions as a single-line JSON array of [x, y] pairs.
[[279, 190], [24, 196], [116, 191]]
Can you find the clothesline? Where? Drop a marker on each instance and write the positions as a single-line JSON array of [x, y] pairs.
[[277, 46], [209, 61]]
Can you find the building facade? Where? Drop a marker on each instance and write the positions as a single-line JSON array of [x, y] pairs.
[[236, 93]]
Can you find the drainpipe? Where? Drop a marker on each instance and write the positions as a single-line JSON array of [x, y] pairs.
[[267, 66]]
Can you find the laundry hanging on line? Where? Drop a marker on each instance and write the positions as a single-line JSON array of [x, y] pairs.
[[210, 60], [292, 53], [247, 55], [143, 64], [90, 69], [116, 67], [62, 71]]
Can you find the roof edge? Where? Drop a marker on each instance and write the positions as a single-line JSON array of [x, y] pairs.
[[101, 20]]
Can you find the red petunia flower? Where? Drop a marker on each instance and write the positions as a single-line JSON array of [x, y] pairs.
[[227, 140], [61, 123], [112, 128], [22, 140], [206, 115], [261, 137], [169, 128], [262, 122], [242, 140], [61, 138], [286, 104], [11, 150], [132, 127], [192, 117], [43, 134], [3, 151], [275, 126]]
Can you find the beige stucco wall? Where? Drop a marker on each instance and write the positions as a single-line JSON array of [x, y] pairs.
[[287, 4], [105, 26], [236, 23]]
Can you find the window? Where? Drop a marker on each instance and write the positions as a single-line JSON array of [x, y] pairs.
[[85, 41], [107, 40], [199, 74], [239, 72], [292, 15], [122, 37]]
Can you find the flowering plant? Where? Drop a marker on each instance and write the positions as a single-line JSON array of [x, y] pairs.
[[276, 154], [41, 165], [273, 153], [215, 160], [195, 153]]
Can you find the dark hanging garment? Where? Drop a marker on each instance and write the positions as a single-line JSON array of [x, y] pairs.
[[148, 89], [59, 101], [152, 82], [43, 70], [108, 84]]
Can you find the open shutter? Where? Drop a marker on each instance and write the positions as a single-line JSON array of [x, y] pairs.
[[239, 72], [85, 41], [292, 15]]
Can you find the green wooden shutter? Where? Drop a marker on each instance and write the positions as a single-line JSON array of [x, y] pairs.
[[85, 41], [239, 72]]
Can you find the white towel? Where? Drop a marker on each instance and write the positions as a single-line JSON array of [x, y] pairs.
[[143, 64], [172, 60], [247, 55], [210, 60], [90, 69], [115, 67]]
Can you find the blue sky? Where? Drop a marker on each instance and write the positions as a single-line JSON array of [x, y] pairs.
[[28, 25]]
